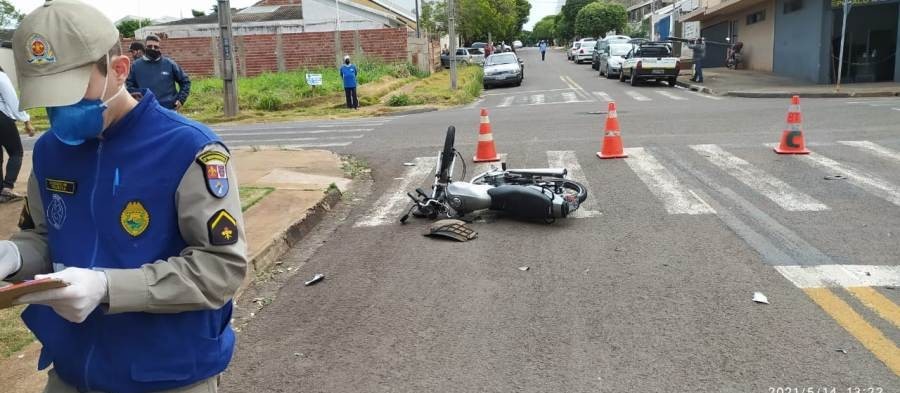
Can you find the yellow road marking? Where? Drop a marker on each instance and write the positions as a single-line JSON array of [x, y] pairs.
[[882, 347], [877, 302]]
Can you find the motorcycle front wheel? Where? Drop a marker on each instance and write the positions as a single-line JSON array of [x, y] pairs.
[[447, 155]]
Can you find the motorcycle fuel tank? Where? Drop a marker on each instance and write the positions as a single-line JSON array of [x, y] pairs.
[[468, 197]]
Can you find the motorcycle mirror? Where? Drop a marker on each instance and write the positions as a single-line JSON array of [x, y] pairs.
[[503, 166]]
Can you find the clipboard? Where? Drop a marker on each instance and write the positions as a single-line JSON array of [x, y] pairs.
[[12, 292]]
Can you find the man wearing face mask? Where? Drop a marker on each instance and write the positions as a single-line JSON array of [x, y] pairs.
[[348, 75], [160, 74], [133, 206]]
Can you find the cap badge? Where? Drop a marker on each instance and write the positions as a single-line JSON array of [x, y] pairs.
[[40, 51]]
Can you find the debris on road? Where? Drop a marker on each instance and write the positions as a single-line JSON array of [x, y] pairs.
[[524, 268], [760, 298], [453, 229], [844, 351], [315, 279], [409, 164], [836, 177]]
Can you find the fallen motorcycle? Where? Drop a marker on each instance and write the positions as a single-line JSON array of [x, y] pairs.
[[544, 194]]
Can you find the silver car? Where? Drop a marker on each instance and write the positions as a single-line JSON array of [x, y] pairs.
[[611, 58], [503, 69]]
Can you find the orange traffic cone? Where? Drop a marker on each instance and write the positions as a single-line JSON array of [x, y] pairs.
[[612, 139], [486, 151], [792, 138]]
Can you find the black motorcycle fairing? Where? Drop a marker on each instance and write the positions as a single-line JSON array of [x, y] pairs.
[[524, 202]]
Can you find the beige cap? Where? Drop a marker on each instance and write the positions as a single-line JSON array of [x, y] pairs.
[[55, 48]]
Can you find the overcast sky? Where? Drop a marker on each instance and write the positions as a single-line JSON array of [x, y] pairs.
[[152, 9]]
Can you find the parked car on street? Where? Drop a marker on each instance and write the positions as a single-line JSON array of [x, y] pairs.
[[603, 44], [650, 61], [584, 52], [464, 56], [479, 45], [517, 44], [503, 69], [610, 60]]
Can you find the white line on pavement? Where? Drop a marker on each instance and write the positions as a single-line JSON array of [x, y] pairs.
[[307, 145], [537, 99], [482, 167], [569, 97], [677, 198], [527, 92], [821, 276], [263, 127], [869, 182], [507, 102], [575, 86], [670, 95], [568, 160], [776, 190], [292, 139], [603, 96], [301, 132], [637, 96], [390, 206], [875, 149]]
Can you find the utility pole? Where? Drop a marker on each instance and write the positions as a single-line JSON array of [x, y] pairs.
[[337, 33], [418, 33], [847, 5], [451, 14], [229, 84]]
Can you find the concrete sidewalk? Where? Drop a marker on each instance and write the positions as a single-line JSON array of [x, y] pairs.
[[756, 84], [303, 192]]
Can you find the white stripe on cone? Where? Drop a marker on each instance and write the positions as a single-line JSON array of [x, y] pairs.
[[485, 137]]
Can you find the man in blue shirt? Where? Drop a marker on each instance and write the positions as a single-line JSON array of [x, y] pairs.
[[349, 73], [160, 74], [134, 207], [543, 47]]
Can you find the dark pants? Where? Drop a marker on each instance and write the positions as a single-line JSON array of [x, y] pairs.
[[543, 55], [698, 70], [352, 101], [12, 143]]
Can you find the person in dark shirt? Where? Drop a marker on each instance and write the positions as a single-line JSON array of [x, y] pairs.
[[160, 74]]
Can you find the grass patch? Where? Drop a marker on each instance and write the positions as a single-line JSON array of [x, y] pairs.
[[252, 195], [354, 167], [435, 90], [13, 334]]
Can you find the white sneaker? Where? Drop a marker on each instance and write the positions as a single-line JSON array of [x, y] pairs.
[[8, 195]]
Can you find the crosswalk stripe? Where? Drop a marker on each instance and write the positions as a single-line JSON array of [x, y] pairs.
[[637, 96], [482, 167], [537, 99], [875, 149], [507, 102], [296, 132], [670, 95], [603, 96], [568, 160], [699, 94], [312, 145], [867, 181], [677, 198], [822, 276], [569, 97], [288, 140], [390, 206], [776, 190]]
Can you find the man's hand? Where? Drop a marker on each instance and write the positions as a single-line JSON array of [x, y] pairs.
[[29, 128], [86, 290], [177, 105], [10, 261]]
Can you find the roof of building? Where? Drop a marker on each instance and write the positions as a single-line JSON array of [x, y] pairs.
[[250, 14]]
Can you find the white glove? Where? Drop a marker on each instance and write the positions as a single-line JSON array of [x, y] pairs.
[[10, 260], [86, 290]]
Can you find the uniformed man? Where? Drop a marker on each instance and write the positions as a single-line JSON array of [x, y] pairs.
[[132, 205]]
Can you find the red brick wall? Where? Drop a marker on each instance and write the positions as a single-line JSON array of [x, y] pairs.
[[256, 54]]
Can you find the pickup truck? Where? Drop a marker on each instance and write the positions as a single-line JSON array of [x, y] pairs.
[[650, 61]]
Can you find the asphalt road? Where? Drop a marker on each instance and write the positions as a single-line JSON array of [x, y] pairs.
[[652, 294]]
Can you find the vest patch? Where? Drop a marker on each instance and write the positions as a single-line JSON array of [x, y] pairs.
[[61, 186], [223, 229], [25, 220], [56, 212], [214, 172], [135, 218]]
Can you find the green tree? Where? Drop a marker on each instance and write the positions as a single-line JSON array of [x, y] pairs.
[[523, 9], [434, 17], [545, 29], [566, 26], [477, 18], [198, 13], [9, 15], [596, 19], [128, 27]]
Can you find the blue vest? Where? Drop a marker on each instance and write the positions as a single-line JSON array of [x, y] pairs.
[[142, 158]]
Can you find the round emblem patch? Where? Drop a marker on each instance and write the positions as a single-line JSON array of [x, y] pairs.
[[134, 218], [56, 212], [40, 51]]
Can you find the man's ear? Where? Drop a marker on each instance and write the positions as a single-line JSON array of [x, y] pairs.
[[120, 67]]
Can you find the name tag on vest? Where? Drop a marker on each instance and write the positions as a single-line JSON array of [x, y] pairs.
[[61, 186]]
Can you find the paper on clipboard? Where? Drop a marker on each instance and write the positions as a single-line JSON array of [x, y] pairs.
[[12, 292]]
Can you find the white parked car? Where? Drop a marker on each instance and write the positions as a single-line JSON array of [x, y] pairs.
[[650, 61], [585, 52], [610, 59], [517, 44]]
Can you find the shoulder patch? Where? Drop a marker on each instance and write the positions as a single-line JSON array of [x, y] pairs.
[[214, 172], [25, 220], [223, 229]]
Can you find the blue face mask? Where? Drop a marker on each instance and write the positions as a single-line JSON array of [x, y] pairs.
[[76, 123]]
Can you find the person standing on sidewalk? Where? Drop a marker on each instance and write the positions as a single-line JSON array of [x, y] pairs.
[[543, 47], [135, 207], [136, 49], [488, 49], [699, 48], [10, 140], [349, 74], [160, 74]]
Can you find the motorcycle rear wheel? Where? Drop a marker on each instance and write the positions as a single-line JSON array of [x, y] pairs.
[[574, 188]]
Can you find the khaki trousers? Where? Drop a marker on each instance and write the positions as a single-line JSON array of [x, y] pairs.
[[56, 385]]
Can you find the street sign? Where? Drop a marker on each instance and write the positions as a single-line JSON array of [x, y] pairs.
[[314, 79]]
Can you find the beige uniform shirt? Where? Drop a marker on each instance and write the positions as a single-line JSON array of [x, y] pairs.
[[203, 276]]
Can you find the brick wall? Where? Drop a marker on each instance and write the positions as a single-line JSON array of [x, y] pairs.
[[256, 54]]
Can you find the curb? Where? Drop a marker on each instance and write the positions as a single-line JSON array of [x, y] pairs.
[[284, 240], [785, 94], [409, 112], [697, 88]]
